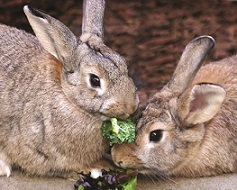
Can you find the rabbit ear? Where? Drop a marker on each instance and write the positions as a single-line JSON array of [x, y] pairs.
[[200, 103], [190, 62], [92, 22], [53, 35]]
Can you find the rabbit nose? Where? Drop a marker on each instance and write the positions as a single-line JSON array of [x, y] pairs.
[[114, 108]]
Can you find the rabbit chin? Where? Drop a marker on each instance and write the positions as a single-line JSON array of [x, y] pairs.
[[152, 173], [146, 171]]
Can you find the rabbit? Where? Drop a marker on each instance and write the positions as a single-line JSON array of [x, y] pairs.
[[55, 92], [189, 128]]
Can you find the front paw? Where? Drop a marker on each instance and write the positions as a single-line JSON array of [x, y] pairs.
[[5, 168], [72, 175]]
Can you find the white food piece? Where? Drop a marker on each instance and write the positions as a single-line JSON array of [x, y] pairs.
[[95, 173]]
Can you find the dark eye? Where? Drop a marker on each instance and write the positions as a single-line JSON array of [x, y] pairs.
[[94, 80], [156, 136]]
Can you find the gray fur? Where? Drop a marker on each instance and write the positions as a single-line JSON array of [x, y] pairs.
[[51, 116]]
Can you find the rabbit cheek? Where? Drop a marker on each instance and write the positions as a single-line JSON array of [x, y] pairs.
[[84, 97], [156, 150]]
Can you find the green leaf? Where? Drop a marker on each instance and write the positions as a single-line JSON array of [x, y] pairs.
[[81, 187], [131, 185]]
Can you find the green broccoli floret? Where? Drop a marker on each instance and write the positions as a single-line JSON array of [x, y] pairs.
[[119, 131]]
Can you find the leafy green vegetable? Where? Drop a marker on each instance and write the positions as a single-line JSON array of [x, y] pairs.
[[119, 131], [110, 180], [130, 185]]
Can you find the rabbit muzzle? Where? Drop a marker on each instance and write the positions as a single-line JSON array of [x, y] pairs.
[[122, 157], [119, 109]]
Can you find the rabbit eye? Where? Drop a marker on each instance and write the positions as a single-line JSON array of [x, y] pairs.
[[156, 136], [94, 80]]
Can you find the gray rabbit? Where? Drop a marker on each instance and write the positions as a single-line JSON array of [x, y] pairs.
[[56, 91], [189, 128]]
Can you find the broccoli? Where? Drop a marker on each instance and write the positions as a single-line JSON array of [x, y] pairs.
[[119, 131]]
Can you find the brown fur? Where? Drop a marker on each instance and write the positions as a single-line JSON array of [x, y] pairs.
[[196, 141]]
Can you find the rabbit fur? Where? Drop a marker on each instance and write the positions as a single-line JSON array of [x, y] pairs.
[[189, 128], [55, 92]]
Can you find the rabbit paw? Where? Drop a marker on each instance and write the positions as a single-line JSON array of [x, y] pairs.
[[72, 176], [5, 169]]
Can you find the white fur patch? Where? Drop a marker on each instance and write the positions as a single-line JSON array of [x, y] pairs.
[[85, 37], [5, 169], [35, 127]]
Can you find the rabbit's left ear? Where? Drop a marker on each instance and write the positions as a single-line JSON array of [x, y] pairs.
[[53, 35], [200, 103]]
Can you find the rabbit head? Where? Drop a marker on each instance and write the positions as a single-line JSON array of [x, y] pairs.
[[172, 128], [93, 77]]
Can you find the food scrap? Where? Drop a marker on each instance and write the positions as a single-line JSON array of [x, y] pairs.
[[109, 180]]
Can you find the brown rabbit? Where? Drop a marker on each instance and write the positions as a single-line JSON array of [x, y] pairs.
[[56, 92], [189, 128]]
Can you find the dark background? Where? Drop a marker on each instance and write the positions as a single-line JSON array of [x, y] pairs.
[[150, 34]]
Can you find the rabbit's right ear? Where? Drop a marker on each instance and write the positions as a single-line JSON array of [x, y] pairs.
[[53, 35], [200, 103]]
